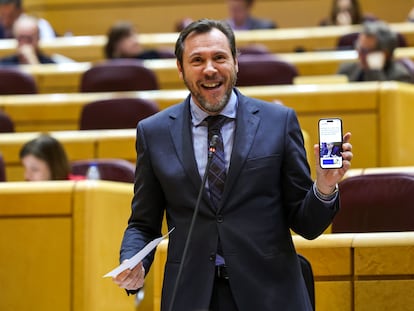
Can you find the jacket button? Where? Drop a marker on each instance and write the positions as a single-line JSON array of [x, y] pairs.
[[219, 218]]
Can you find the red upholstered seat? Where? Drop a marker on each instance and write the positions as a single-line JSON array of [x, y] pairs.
[[118, 75], [6, 123], [116, 113], [2, 169], [264, 69], [109, 169], [375, 203], [14, 81]]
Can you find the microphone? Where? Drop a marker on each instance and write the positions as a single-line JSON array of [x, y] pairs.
[[211, 151]]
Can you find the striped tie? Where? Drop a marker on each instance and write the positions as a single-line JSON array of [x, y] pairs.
[[217, 171]]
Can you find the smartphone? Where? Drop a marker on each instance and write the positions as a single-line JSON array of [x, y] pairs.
[[330, 142]]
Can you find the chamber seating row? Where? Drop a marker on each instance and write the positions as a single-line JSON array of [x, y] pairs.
[[66, 78], [377, 113], [282, 40]]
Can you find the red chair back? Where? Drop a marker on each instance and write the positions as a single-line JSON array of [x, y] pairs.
[[118, 75]]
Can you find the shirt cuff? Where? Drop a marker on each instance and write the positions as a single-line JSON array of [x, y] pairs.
[[325, 198]]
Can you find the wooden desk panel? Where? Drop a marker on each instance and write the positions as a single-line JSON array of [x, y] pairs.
[[282, 40], [61, 259]]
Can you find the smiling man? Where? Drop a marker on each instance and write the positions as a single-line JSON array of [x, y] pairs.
[[241, 255]]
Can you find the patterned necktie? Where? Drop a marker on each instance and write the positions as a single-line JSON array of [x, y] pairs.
[[217, 171]]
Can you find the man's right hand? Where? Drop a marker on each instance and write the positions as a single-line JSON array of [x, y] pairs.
[[131, 279]]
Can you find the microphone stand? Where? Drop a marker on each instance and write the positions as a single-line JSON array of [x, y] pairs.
[[211, 152]]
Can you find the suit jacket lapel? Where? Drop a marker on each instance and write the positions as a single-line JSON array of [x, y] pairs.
[[246, 127], [180, 130]]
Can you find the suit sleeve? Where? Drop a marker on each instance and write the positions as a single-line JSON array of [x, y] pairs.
[[307, 215], [148, 205]]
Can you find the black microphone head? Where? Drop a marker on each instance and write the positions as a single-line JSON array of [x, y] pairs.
[[214, 141]]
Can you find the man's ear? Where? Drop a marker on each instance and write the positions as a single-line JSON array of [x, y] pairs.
[[180, 70]]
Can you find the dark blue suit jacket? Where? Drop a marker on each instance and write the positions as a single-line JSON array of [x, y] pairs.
[[268, 191]]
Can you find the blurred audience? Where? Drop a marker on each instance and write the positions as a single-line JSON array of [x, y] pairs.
[[375, 46], [26, 32], [182, 23], [346, 12], [44, 158], [410, 16], [240, 17], [123, 42], [10, 11]]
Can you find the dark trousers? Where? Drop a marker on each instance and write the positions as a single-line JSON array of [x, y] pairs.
[[222, 297]]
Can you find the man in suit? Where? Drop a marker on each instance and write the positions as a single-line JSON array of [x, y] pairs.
[[240, 17], [375, 46], [241, 255]]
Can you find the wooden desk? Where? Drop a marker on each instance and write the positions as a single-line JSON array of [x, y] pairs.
[[365, 271], [282, 40], [55, 243]]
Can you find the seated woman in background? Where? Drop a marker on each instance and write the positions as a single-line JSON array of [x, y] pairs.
[[122, 42], [346, 12], [44, 158]]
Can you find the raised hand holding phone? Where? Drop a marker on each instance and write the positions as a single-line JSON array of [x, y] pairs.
[[330, 143]]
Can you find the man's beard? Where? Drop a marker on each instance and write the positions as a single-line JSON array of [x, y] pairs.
[[220, 104]]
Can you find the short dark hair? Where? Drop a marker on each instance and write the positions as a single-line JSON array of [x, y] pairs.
[[17, 3], [387, 40], [116, 33], [204, 26], [50, 150]]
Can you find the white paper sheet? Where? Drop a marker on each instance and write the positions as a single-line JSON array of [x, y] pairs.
[[133, 261]]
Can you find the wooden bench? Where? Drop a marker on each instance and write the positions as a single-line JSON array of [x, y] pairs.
[[282, 40], [95, 16]]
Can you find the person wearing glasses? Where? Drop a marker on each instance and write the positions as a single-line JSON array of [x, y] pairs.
[[375, 46]]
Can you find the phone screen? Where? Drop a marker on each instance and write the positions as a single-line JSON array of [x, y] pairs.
[[330, 143]]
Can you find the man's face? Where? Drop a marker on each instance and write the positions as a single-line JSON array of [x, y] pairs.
[[8, 14], [208, 69], [27, 33]]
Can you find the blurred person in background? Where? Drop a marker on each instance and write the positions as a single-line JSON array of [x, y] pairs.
[[346, 12], [10, 11], [123, 42], [44, 158], [26, 32], [375, 46], [240, 17]]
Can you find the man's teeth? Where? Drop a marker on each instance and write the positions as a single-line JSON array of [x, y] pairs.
[[211, 84]]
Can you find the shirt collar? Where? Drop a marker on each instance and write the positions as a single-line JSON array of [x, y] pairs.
[[198, 115]]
